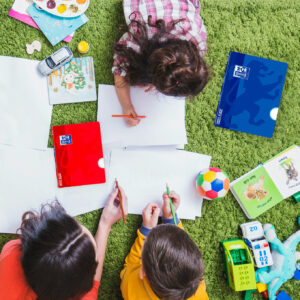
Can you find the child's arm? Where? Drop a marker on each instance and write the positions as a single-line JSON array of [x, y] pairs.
[[150, 219], [110, 215], [123, 92]]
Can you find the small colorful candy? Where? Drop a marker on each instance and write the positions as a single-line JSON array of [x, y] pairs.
[[212, 183], [83, 47]]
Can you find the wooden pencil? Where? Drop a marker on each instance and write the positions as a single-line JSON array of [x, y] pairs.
[[127, 116]]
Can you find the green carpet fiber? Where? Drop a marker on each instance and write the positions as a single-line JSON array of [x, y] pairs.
[[268, 28]]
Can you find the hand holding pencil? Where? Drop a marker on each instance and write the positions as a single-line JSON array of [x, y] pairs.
[[112, 211], [166, 208], [130, 111]]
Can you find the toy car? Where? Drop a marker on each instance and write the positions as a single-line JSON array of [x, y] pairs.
[[55, 60], [253, 235], [239, 266]]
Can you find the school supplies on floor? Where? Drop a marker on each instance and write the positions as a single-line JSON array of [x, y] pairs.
[[250, 94], [55, 28], [73, 82], [269, 183], [153, 130], [144, 175], [18, 12], [78, 154], [25, 113]]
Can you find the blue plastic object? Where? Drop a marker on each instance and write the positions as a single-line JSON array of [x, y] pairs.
[[297, 275], [283, 296]]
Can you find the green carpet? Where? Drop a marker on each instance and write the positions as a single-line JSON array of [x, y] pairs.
[[269, 29]]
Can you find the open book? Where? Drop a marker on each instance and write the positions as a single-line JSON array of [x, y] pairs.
[[269, 183]]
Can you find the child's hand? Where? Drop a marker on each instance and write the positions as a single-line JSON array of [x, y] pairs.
[[112, 210], [150, 215], [131, 121], [166, 209]]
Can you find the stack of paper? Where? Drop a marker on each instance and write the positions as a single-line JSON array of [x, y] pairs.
[[27, 172], [151, 158]]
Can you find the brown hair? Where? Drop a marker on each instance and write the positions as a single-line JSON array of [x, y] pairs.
[[172, 65], [172, 263], [58, 259]]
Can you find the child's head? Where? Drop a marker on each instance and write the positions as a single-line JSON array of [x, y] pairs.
[[58, 254], [174, 66], [172, 263]]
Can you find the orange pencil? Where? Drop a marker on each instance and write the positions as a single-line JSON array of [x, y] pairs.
[[121, 201], [127, 116]]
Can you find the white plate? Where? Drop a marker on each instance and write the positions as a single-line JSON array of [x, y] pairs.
[[64, 8]]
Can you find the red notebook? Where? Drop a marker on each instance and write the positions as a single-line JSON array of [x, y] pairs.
[[78, 154]]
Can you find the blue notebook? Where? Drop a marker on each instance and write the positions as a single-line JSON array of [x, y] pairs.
[[250, 94], [55, 28]]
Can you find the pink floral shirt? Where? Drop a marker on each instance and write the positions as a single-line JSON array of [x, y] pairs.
[[191, 28]]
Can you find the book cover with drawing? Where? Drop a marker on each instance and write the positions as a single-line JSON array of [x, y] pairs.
[[78, 154], [250, 94], [19, 12], [73, 82], [269, 183]]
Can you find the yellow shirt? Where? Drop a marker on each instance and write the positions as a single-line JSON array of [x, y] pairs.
[[134, 288]]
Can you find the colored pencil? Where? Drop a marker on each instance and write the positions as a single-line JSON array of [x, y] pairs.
[[171, 205], [121, 201], [127, 116]]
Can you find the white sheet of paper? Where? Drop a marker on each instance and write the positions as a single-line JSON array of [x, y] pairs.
[[81, 199], [144, 174], [164, 123], [25, 113], [27, 179]]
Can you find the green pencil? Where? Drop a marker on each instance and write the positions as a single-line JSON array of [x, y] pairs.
[[171, 205]]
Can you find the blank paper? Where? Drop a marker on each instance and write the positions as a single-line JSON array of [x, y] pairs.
[[25, 113], [164, 123], [27, 179], [144, 174]]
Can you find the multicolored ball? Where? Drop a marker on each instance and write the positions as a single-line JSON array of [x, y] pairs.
[[212, 183]]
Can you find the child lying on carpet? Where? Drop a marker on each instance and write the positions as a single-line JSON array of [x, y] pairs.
[[163, 48], [56, 258], [164, 263]]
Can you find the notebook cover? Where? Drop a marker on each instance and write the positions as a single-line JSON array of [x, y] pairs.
[[250, 94], [18, 12], [55, 28], [78, 154]]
